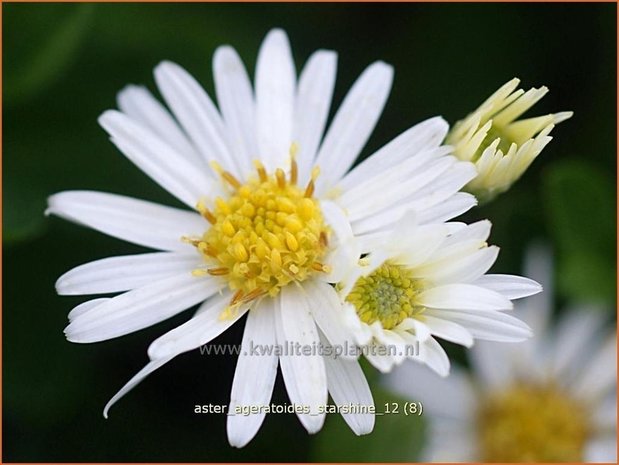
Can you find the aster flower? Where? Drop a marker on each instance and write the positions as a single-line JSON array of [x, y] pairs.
[[426, 281], [276, 215], [550, 399], [501, 146]]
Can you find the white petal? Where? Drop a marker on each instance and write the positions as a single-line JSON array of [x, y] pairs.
[[85, 307], [411, 244], [603, 449], [236, 103], [304, 375], [353, 123], [393, 175], [512, 287], [464, 297], [421, 331], [275, 92], [201, 329], [490, 326], [348, 386], [140, 105], [454, 206], [432, 354], [538, 265], [254, 376], [600, 376], [117, 274], [452, 397], [467, 268], [140, 308], [344, 250], [133, 382], [493, 363], [420, 137], [312, 105], [576, 338], [381, 361], [143, 223], [196, 112], [395, 186], [327, 311], [449, 330]]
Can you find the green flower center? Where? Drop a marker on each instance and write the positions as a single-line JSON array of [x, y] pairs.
[[388, 295]]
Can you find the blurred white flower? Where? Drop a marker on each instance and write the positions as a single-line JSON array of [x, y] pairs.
[[501, 146], [277, 214], [551, 399], [422, 281]]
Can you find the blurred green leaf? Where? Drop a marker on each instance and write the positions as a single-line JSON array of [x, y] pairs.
[[35, 60], [581, 209], [22, 214], [396, 437]]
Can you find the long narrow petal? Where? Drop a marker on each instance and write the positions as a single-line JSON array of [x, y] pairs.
[[599, 378], [348, 386], [468, 268], [344, 247], [236, 103], [85, 307], [141, 308], [432, 354], [304, 375], [205, 326], [327, 311], [419, 138], [452, 397], [170, 169], [143, 223], [454, 206], [312, 105], [396, 185], [117, 274], [353, 123], [133, 382], [254, 376], [449, 330], [464, 297], [196, 112], [275, 90], [490, 326], [512, 287], [140, 105]]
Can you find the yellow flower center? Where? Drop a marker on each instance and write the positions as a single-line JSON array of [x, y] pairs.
[[387, 295], [532, 423], [268, 233]]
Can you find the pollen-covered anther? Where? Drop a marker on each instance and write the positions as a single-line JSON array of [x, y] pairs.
[[268, 233], [388, 295]]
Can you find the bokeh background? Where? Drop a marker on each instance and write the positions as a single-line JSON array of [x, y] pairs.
[[64, 63]]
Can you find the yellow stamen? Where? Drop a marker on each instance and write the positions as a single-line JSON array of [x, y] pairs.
[[218, 271], [262, 174], [230, 179], [281, 178]]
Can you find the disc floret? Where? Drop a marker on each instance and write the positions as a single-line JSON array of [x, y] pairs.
[[532, 423], [267, 234], [387, 295]]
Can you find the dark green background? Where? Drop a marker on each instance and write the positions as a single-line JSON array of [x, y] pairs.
[[63, 65]]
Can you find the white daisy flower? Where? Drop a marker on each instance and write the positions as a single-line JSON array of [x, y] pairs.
[[426, 281], [277, 212], [551, 399], [501, 146]]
